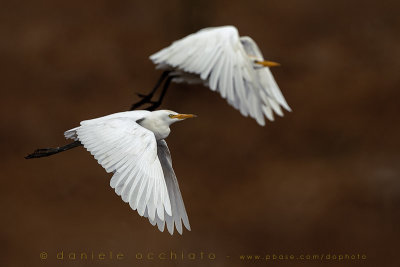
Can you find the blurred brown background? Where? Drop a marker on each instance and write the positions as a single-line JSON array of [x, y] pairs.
[[323, 179]]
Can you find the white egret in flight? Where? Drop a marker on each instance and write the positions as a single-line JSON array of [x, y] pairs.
[[132, 146], [225, 62]]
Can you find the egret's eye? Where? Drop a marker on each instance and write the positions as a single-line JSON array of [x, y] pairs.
[[171, 115]]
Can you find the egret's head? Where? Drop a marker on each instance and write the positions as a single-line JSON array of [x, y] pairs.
[[260, 62], [253, 52], [159, 121], [169, 116], [266, 63]]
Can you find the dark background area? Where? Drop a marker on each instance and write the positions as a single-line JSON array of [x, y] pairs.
[[323, 179]]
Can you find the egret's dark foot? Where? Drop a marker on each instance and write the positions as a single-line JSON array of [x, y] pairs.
[[149, 96], [154, 106], [145, 99], [42, 152], [45, 152]]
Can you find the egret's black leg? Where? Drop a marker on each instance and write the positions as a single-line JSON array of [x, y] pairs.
[[163, 92], [147, 98], [45, 152]]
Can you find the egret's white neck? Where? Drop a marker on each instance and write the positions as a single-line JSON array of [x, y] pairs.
[[159, 127]]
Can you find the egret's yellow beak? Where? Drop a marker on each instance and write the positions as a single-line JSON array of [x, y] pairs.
[[266, 63], [183, 116]]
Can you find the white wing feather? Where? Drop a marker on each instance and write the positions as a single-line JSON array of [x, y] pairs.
[[128, 150], [179, 214], [218, 56]]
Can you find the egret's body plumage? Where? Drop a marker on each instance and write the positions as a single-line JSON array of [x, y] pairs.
[[229, 64], [131, 145]]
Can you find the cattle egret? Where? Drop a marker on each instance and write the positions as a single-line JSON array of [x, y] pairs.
[[132, 146], [225, 62]]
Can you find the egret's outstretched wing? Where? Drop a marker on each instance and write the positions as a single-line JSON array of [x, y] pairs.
[[179, 214], [128, 150], [219, 58]]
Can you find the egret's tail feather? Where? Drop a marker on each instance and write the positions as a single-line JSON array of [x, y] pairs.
[[45, 152]]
